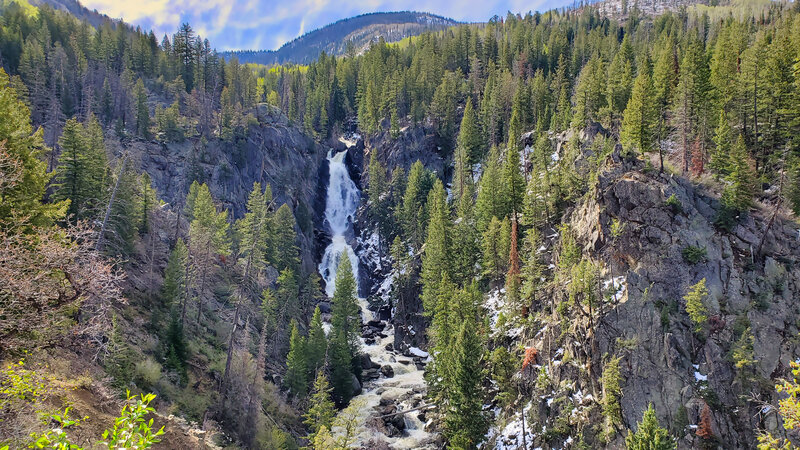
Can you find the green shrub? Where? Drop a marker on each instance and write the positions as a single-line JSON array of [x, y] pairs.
[[148, 372], [693, 255], [674, 204]]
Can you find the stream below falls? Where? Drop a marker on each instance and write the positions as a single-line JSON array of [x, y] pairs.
[[392, 382]]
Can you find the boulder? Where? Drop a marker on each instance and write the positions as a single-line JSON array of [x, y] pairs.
[[387, 371], [367, 363], [356, 385]]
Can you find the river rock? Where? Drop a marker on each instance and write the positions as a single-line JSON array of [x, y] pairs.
[[356, 385], [389, 347], [387, 371], [367, 363], [324, 307], [370, 374]]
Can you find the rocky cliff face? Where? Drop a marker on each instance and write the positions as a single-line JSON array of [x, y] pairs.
[[644, 321], [273, 152]]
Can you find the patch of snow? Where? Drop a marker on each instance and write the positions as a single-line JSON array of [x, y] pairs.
[[509, 437], [617, 285], [417, 352], [700, 377]]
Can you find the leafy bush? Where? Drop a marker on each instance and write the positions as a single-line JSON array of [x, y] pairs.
[[131, 430], [693, 254], [148, 372], [674, 204]]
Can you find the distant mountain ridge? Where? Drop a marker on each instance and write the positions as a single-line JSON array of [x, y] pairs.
[[334, 38], [75, 8]]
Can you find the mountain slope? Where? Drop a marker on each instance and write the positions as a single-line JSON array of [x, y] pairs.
[[76, 9], [333, 39]]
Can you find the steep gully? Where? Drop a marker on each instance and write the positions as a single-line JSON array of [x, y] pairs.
[[393, 383]]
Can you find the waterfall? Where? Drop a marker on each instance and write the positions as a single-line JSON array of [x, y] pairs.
[[340, 208], [406, 386]]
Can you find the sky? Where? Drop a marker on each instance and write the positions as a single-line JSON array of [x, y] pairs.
[[267, 24]]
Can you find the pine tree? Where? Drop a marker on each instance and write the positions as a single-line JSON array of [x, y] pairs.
[[720, 162], [317, 343], [436, 259], [665, 80], [176, 352], [413, 215], [612, 393], [695, 304], [321, 410], [174, 288], [345, 326], [208, 237], [513, 181], [296, 364], [253, 232], [378, 194], [495, 251], [738, 194], [589, 92], [638, 124], [464, 244], [119, 360], [142, 111], [490, 203], [23, 199], [649, 435], [533, 268], [286, 253], [620, 74], [71, 172], [469, 135], [465, 423]]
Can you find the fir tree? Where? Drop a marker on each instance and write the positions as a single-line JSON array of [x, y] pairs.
[[649, 435], [640, 118], [345, 326], [465, 423], [142, 111], [71, 174], [296, 364], [285, 254], [720, 162], [174, 288], [321, 410], [253, 232], [464, 244], [469, 135], [436, 259], [176, 353], [317, 343], [695, 304], [513, 182], [208, 237], [413, 215], [378, 194], [612, 394], [490, 203], [119, 359], [738, 194], [495, 251]]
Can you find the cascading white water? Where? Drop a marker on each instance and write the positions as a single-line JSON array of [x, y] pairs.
[[340, 208], [405, 389]]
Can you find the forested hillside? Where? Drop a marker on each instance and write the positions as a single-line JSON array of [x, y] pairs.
[[582, 228], [352, 35]]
